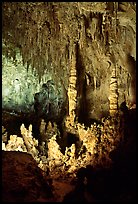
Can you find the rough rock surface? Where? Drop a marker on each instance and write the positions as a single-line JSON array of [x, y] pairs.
[[107, 158], [104, 37], [77, 59], [22, 180]]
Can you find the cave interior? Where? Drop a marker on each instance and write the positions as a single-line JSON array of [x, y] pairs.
[[68, 101]]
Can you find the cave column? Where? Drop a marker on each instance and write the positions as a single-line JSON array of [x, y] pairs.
[[72, 91], [113, 97]]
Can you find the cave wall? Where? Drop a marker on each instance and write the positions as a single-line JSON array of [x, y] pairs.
[[19, 87], [44, 33]]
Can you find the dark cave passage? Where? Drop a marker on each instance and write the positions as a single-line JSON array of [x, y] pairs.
[[82, 108], [13, 121]]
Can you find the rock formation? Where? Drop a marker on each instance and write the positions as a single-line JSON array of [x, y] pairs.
[[72, 90], [99, 30], [69, 75], [113, 97]]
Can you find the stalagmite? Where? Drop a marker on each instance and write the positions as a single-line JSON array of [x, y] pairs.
[[72, 92], [30, 142], [113, 98]]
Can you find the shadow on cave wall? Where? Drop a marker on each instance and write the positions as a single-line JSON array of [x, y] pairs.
[[132, 71], [82, 108]]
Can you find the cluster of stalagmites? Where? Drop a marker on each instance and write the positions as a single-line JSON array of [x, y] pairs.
[[94, 145]]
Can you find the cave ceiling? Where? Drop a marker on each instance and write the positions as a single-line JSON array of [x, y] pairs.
[[104, 35], [45, 31]]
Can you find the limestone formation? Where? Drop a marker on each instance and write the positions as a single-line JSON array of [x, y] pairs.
[[99, 29], [47, 130], [72, 91], [30, 142], [113, 97], [97, 140], [67, 68], [14, 144], [43, 129]]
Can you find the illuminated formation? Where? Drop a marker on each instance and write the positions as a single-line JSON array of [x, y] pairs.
[[72, 91], [113, 98], [97, 140]]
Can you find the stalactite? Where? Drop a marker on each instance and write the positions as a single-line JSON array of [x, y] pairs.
[[42, 31], [82, 40]]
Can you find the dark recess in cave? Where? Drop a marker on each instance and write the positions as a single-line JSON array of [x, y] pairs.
[[132, 70], [132, 63], [110, 6], [82, 112]]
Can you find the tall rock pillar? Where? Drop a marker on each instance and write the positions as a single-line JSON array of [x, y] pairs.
[[72, 91], [113, 97]]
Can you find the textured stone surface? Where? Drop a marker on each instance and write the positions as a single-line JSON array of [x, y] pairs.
[[86, 51], [27, 183], [19, 88], [105, 35], [103, 167]]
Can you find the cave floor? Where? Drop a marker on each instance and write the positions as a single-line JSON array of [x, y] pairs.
[[61, 188], [22, 180]]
